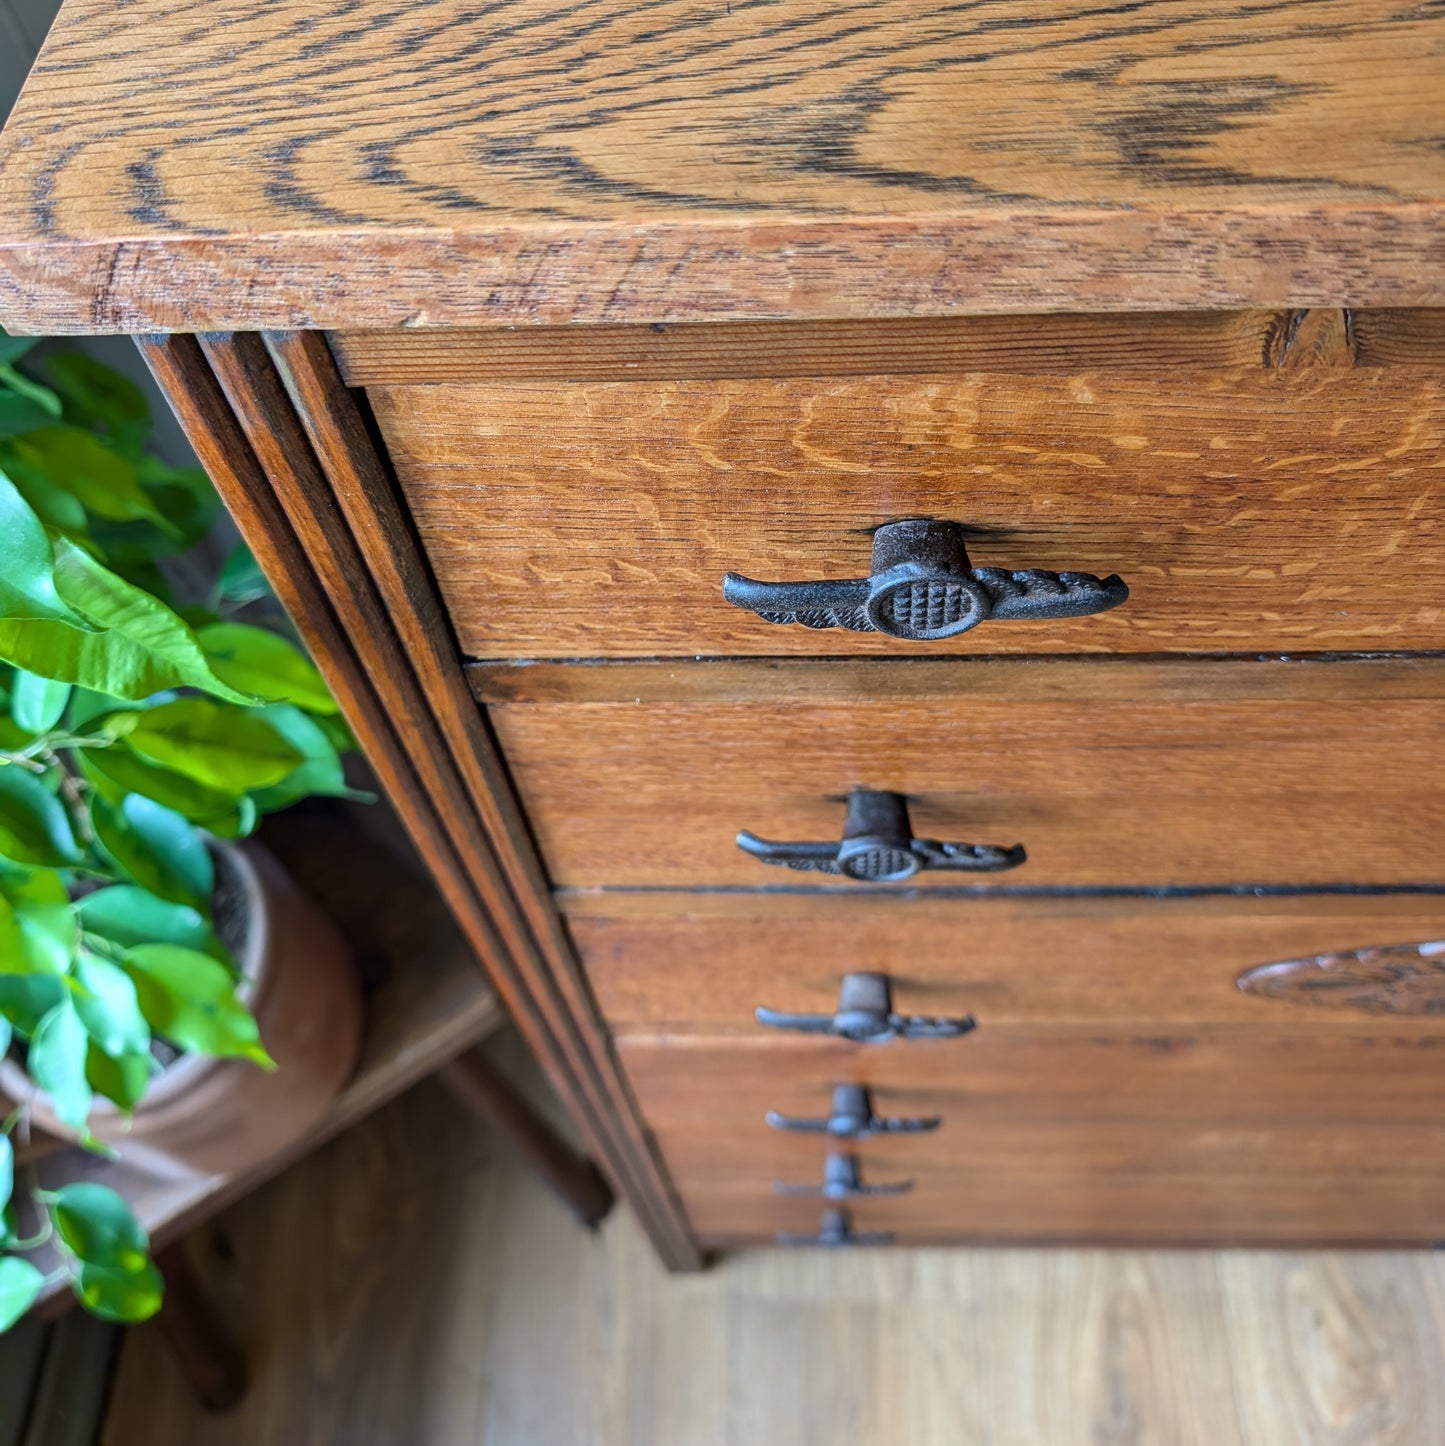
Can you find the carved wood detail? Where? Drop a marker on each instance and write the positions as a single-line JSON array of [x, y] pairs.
[[1392, 979]]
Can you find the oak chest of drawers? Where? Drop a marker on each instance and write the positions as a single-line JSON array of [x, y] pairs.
[[892, 559]]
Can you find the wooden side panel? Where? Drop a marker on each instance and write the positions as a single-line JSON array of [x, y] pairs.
[[1269, 510], [708, 961], [1129, 795], [276, 458]]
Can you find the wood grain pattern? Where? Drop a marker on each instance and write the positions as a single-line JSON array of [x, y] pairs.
[[710, 960], [1247, 511], [408, 1286], [1141, 342], [979, 1146], [1131, 678], [1042, 1075], [288, 504], [1000, 1208], [1203, 793], [324, 166]]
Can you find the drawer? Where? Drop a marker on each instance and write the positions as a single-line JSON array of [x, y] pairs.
[[1215, 1210], [1203, 785], [1248, 510], [974, 1147], [1062, 1135], [701, 963], [727, 1086]]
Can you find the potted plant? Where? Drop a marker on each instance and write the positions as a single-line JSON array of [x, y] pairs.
[[155, 969]]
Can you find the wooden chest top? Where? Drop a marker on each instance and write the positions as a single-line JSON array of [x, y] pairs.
[[186, 166]]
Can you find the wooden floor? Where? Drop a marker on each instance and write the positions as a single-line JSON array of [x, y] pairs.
[[408, 1287]]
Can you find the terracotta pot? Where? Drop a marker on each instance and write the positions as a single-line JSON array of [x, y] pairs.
[[205, 1116]]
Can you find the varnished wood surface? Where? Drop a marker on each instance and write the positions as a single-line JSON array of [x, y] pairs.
[[341, 166], [289, 516], [1134, 794], [1042, 1075], [979, 1146], [1217, 1210], [1119, 678], [1142, 342], [405, 1285], [706, 964], [1247, 511]]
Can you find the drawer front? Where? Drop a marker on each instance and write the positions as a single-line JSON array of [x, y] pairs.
[[1149, 1208], [1199, 793], [729, 1085], [702, 963], [1247, 511], [1063, 1135]]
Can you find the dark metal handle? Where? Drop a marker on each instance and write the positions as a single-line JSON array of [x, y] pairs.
[[865, 1014], [878, 846], [923, 587], [836, 1229], [852, 1118], [843, 1180]]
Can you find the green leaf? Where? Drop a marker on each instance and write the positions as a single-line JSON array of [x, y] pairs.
[[37, 704], [56, 1062], [44, 918], [119, 1296], [57, 509], [321, 772], [12, 348], [20, 1284], [99, 1228], [99, 478], [241, 580], [184, 494], [127, 916], [116, 771], [21, 385], [144, 649], [107, 1005], [98, 395], [19, 414], [26, 999], [12, 960], [242, 825], [266, 664], [34, 826], [86, 706], [217, 744], [156, 848], [190, 999], [28, 589], [7, 1171], [122, 1079]]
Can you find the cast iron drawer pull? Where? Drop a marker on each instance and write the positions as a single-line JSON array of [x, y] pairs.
[[923, 587], [835, 1228], [878, 846], [865, 1014], [852, 1119], [842, 1181]]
